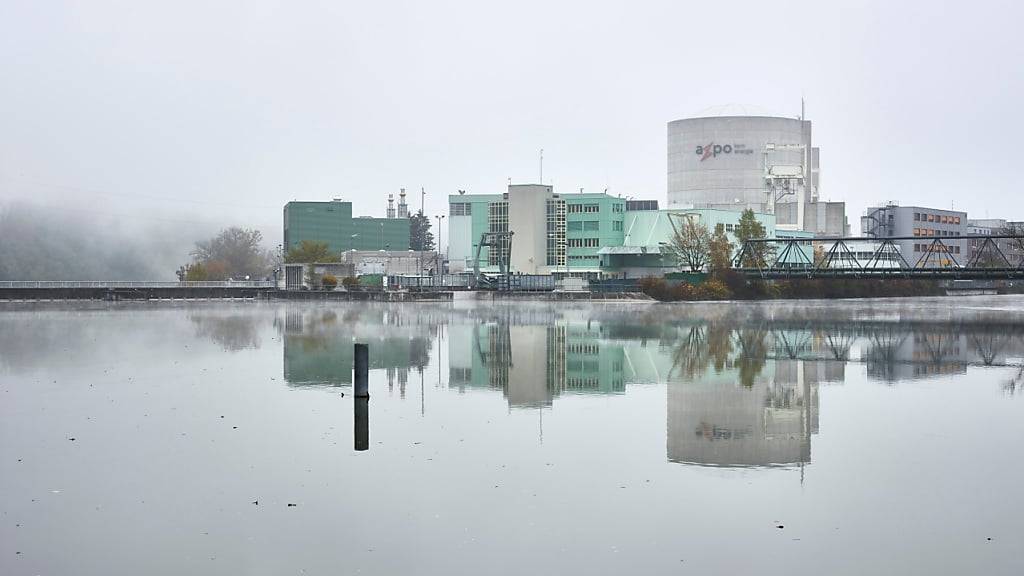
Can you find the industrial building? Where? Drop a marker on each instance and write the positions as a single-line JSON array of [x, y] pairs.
[[928, 226], [641, 252], [332, 222], [732, 160], [581, 235], [551, 233]]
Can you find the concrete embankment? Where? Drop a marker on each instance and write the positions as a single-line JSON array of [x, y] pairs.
[[36, 294], [118, 294]]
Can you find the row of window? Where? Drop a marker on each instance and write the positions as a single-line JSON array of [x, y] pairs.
[[933, 232], [585, 257], [591, 226], [593, 208], [939, 218], [936, 248], [584, 242], [583, 208], [591, 349]]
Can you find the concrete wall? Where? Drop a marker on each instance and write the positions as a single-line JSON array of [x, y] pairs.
[[527, 220], [821, 218]]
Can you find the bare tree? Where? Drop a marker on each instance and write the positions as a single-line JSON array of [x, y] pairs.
[[690, 245], [1016, 245]]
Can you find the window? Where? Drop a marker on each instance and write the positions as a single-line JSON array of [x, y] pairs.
[[574, 226], [917, 231], [591, 208], [617, 226], [917, 247], [461, 209], [719, 227], [728, 227], [956, 220], [617, 207], [591, 226], [931, 217], [917, 216], [574, 208], [583, 242]]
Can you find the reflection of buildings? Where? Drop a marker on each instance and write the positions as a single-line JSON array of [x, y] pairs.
[[533, 364], [318, 349], [717, 421]]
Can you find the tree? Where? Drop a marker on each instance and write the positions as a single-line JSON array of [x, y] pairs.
[[748, 228], [1016, 245], [309, 252], [234, 253], [420, 237], [690, 244], [719, 253], [195, 272]]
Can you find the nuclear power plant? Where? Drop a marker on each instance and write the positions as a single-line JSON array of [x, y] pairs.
[[734, 158]]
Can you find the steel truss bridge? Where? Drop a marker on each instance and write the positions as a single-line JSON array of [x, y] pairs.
[[793, 258]]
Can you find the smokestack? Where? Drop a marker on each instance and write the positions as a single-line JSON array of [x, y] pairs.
[[403, 208], [391, 206]]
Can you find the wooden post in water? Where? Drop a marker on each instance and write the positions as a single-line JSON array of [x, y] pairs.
[[361, 433], [362, 370]]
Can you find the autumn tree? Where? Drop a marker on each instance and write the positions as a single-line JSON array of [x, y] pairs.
[[233, 253], [311, 251], [690, 244], [719, 253]]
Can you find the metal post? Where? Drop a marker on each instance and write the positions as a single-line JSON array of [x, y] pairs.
[[361, 431], [362, 370]]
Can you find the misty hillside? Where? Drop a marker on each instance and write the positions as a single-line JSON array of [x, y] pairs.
[[42, 243]]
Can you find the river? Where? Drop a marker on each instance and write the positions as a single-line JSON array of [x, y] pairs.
[[875, 436]]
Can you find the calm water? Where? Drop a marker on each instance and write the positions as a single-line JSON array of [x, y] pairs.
[[809, 438]]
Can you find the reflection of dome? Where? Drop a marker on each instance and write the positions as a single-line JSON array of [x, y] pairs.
[[734, 109]]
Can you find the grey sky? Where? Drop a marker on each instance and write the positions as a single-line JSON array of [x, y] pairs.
[[221, 112]]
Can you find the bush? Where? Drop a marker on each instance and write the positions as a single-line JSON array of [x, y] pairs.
[[329, 282], [683, 291], [350, 282], [712, 290], [656, 288]]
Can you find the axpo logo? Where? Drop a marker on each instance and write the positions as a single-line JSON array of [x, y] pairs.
[[712, 150]]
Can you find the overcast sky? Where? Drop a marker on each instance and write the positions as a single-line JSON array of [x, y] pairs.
[[223, 111]]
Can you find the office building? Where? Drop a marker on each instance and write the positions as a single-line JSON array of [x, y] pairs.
[[926, 226]]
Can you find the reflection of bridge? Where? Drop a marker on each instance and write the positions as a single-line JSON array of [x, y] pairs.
[[785, 258]]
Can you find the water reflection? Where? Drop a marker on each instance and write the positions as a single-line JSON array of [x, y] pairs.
[[318, 345], [742, 384]]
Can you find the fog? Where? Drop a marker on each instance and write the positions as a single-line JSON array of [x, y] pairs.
[[53, 243], [221, 113]]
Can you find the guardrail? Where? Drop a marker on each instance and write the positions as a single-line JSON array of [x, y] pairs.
[[103, 284]]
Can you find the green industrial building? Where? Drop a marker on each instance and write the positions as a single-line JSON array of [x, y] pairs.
[[581, 235], [552, 233], [332, 222]]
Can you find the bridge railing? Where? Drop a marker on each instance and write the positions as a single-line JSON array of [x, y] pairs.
[[939, 256], [132, 284]]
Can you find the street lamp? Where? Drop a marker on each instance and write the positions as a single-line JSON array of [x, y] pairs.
[[440, 265]]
